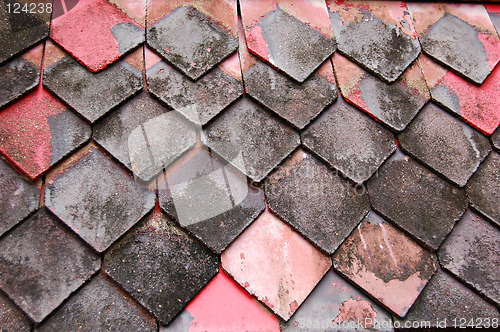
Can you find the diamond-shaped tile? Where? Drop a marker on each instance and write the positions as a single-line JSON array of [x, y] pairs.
[[297, 192], [445, 143], [161, 266], [416, 199], [42, 263], [99, 306], [105, 33], [385, 263], [279, 35], [223, 306], [145, 136], [190, 41], [84, 90], [38, 131], [18, 198], [96, 198], [483, 189], [471, 252], [212, 201], [251, 138], [349, 141], [11, 318], [275, 264], [394, 104], [378, 36]]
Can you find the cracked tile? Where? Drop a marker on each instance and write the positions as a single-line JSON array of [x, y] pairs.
[[417, 200], [393, 104], [42, 263], [11, 318], [96, 198], [379, 36], [445, 143], [281, 270], [349, 141], [211, 200], [387, 265], [161, 266], [471, 253], [298, 190], [250, 138], [293, 37], [483, 189]]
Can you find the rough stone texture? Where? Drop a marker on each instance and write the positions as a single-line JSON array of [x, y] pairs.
[[483, 188], [145, 136], [210, 200], [223, 306], [99, 306], [17, 77], [161, 266], [446, 301], [18, 197], [190, 41], [38, 131], [471, 252], [349, 141], [394, 104], [445, 143], [11, 318], [250, 138], [416, 199], [84, 90], [281, 271], [96, 198], [42, 263], [20, 30], [297, 192], [199, 101], [104, 33], [334, 304], [495, 140], [385, 263]]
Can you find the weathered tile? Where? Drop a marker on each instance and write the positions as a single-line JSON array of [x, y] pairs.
[[495, 140], [21, 29], [379, 36], [460, 37], [209, 199], [18, 197], [105, 33], [275, 264], [20, 75], [145, 136], [42, 263], [293, 37], [385, 263], [394, 104], [494, 13], [445, 143], [96, 198], [161, 266], [223, 306], [416, 199], [335, 305], [483, 189], [11, 318], [349, 141], [445, 302], [471, 253], [298, 190], [38, 131], [250, 138], [99, 306]]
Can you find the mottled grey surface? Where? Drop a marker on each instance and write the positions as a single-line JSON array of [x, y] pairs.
[[190, 41], [349, 141], [11, 318], [298, 103], [472, 253], [42, 263], [128, 36], [495, 139], [92, 94], [495, 19], [17, 77], [446, 97], [446, 144]]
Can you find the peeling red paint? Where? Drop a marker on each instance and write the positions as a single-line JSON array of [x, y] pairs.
[[256, 42], [358, 311]]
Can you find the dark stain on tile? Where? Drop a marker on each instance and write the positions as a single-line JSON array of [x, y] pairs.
[[17, 77]]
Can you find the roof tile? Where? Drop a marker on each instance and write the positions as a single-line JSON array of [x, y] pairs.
[[11, 318]]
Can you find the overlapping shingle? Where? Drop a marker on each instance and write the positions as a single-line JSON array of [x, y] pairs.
[[11, 318]]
